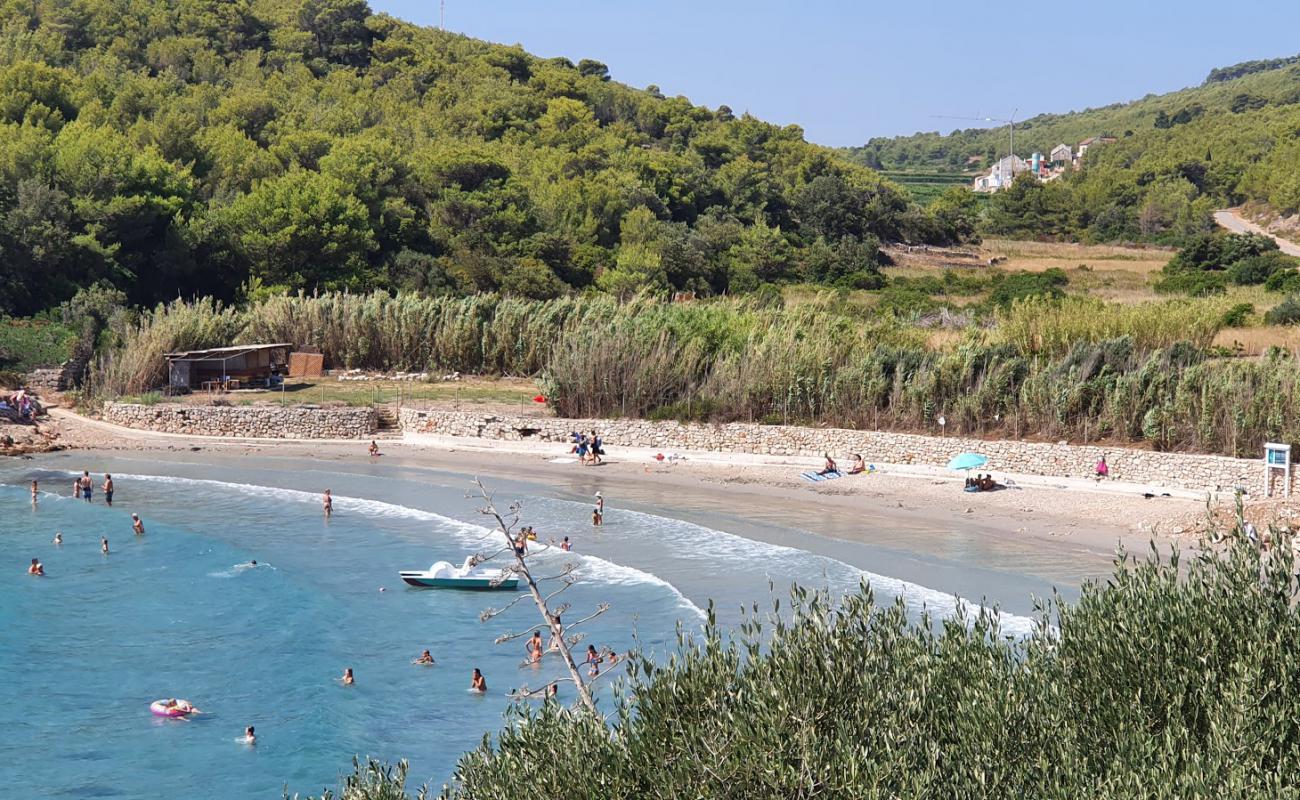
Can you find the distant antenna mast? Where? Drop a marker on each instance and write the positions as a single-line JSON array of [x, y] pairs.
[[442, 15], [1011, 126]]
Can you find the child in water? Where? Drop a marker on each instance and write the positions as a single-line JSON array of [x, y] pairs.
[[425, 658], [477, 683]]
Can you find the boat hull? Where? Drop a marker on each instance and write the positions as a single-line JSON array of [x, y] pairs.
[[470, 584]]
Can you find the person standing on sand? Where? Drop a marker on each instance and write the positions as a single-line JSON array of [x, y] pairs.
[[328, 502], [137, 525], [108, 489], [1103, 469]]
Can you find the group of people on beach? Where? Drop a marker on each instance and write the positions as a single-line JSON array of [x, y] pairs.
[[588, 447], [82, 487], [829, 467]]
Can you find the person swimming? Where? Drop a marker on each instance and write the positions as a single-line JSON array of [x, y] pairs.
[[552, 691], [477, 683], [566, 545], [36, 568], [103, 544], [534, 647], [425, 659], [58, 537], [249, 736], [347, 678], [137, 524], [328, 503]]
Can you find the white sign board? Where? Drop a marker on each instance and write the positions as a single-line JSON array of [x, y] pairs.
[[1277, 458]]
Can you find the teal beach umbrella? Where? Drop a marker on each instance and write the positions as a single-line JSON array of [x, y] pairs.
[[967, 461]]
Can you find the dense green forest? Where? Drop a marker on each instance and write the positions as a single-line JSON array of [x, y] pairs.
[[1178, 156], [236, 147]]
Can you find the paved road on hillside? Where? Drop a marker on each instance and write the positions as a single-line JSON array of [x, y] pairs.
[[1237, 224]]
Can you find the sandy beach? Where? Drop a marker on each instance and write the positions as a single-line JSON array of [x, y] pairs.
[[1060, 529]]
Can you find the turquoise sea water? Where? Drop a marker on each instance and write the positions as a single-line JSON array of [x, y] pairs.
[[174, 614]]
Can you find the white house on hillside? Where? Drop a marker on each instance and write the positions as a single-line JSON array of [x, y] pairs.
[[1001, 175]]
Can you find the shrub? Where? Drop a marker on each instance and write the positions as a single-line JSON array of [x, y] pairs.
[[29, 343], [1236, 316], [1286, 312], [1194, 284], [1254, 270], [1019, 285], [1287, 280], [1151, 679]]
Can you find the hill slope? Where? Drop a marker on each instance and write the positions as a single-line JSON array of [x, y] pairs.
[[1235, 139], [197, 146], [1242, 87]]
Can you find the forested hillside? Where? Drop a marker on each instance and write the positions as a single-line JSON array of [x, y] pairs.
[[1178, 156], [228, 147]]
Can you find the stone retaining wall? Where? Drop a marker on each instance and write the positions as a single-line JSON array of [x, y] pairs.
[[66, 376], [1179, 470], [257, 421]]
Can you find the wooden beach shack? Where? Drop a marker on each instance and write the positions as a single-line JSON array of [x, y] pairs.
[[223, 368]]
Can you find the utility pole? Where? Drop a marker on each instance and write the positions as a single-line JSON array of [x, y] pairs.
[[442, 15]]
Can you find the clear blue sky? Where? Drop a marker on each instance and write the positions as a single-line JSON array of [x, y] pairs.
[[847, 71]]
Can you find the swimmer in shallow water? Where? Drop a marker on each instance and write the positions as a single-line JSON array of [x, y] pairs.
[[425, 658], [535, 647], [347, 678], [137, 525], [476, 682], [327, 502], [249, 736], [58, 537], [103, 544], [35, 491], [36, 568], [566, 545]]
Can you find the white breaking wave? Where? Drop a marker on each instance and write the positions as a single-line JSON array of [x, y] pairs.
[[689, 540], [592, 567]]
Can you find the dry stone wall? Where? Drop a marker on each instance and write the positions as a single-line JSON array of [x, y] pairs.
[[256, 421], [1178, 470]]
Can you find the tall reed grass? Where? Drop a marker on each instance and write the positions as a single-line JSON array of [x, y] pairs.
[[1076, 369]]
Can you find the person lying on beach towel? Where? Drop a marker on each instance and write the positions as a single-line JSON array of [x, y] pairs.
[[830, 465]]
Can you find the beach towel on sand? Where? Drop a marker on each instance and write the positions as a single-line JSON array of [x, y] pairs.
[[813, 477]]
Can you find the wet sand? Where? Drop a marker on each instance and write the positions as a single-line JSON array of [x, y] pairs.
[[1060, 536]]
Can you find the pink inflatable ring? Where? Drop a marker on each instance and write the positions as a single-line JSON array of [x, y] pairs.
[[172, 708]]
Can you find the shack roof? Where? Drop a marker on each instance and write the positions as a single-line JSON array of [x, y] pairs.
[[217, 353]]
